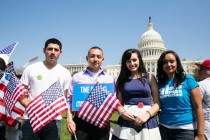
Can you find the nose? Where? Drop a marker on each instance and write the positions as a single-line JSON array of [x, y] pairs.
[[95, 58], [167, 63], [53, 51]]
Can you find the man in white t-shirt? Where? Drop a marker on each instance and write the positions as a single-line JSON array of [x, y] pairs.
[[204, 84], [38, 78]]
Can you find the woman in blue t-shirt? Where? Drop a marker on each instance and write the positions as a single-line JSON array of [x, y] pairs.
[[181, 116]]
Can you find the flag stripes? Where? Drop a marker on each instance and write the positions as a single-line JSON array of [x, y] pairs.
[[42, 111]]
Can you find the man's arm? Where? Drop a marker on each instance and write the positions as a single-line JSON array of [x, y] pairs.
[[24, 101]]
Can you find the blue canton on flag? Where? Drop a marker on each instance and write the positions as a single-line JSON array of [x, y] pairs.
[[52, 93], [8, 49], [14, 82], [98, 95]]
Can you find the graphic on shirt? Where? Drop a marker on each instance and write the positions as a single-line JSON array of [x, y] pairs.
[[170, 91], [39, 77]]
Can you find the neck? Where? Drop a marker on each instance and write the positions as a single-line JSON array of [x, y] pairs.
[[135, 75], [93, 70], [171, 76], [49, 65]]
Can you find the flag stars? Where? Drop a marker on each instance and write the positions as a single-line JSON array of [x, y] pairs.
[[98, 95], [53, 93], [12, 84]]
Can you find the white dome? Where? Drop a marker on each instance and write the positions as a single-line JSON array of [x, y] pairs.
[[151, 44]]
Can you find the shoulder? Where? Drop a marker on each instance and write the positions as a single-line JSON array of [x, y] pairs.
[[107, 75], [187, 76], [78, 75], [151, 77], [35, 65], [205, 82], [60, 66]]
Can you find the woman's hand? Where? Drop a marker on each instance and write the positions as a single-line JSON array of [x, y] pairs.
[[127, 116], [139, 120]]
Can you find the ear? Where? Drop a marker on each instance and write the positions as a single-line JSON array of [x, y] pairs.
[[86, 58], [44, 50]]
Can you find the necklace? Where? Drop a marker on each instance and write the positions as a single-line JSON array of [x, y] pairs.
[[93, 76]]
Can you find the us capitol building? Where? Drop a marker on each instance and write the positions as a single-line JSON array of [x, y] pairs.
[[151, 46]]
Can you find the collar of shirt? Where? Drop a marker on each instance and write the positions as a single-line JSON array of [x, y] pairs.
[[100, 72]]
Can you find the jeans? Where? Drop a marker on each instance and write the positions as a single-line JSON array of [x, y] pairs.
[[49, 132], [176, 134], [87, 131], [2, 133]]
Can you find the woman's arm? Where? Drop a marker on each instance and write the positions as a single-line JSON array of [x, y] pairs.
[[123, 113], [156, 106], [197, 106]]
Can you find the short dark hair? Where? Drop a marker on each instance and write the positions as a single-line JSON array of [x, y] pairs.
[[54, 41], [2, 64], [95, 47]]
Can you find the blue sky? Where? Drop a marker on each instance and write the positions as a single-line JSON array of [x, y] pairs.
[[113, 25]]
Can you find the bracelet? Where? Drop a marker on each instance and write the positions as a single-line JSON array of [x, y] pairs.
[[149, 114]]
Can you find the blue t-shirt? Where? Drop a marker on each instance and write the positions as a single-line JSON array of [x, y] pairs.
[[176, 105]]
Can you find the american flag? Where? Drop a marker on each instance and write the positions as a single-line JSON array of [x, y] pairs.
[[99, 106], [46, 107], [7, 51], [11, 90], [10, 67]]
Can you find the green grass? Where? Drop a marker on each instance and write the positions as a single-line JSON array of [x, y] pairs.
[[65, 134]]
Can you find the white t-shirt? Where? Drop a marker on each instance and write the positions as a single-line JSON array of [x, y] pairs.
[[205, 91], [38, 79]]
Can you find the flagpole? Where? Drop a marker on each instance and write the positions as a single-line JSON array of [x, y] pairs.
[[75, 137]]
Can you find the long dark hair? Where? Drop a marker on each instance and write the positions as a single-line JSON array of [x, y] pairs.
[[161, 75], [2, 64], [125, 72]]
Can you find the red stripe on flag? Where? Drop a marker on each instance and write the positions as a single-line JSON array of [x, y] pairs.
[[40, 115], [17, 110], [3, 87]]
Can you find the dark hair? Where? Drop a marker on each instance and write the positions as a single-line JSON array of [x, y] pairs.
[[161, 75], [95, 47], [125, 72], [2, 64], [53, 41]]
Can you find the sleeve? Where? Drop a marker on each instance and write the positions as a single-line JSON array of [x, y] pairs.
[[202, 88], [191, 82], [25, 76], [70, 94], [67, 81]]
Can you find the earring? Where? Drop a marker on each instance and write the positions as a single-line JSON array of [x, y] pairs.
[[177, 70]]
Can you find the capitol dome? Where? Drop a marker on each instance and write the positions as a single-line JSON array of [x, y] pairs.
[[151, 44]]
